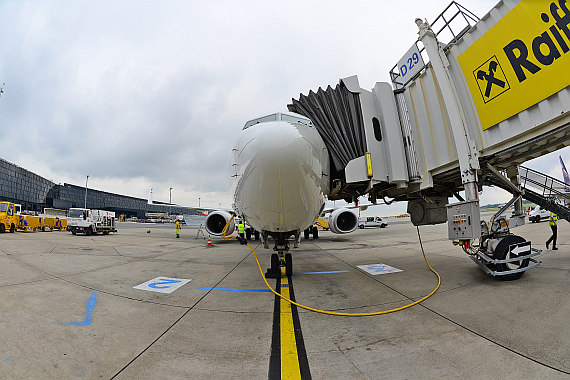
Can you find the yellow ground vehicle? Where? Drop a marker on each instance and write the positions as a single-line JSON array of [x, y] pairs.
[[30, 223], [323, 223], [51, 223], [8, 218]]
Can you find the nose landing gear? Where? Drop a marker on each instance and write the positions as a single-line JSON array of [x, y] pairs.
[[280, 260]]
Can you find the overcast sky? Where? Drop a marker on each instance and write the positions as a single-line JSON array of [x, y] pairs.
[[142, 94]]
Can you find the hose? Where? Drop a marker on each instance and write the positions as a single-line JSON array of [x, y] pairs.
[[350, 314]]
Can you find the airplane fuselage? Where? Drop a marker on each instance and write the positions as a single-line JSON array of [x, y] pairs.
[[280, 171]]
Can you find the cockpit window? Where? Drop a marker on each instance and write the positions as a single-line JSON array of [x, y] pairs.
[[263, 119], [295, 119], [279, 117]]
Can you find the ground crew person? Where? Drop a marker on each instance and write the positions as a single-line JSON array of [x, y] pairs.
[[241, 229], [553, 223], [177, 229]]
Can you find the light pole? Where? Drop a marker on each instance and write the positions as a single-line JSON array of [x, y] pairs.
[[85, 206], [171, 195]]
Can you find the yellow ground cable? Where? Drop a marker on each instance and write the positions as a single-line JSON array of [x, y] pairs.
[[352, 314]]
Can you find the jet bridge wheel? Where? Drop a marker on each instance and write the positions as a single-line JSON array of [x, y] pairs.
[[501, 253]]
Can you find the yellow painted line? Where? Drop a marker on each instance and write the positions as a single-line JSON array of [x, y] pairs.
[[290, 368]]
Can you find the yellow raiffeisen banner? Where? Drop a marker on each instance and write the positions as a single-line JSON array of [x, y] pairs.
[[521, 60]]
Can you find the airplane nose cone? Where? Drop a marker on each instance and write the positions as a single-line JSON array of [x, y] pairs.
[[278, 174]]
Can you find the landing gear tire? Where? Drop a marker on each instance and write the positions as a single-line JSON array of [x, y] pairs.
[[288, 265], [274, 271], [307, 233], [12, 228], [256, 235], [315, 232], [502, 253], [248, 233]]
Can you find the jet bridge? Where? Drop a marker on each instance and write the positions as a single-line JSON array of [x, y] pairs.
[[469, 102]]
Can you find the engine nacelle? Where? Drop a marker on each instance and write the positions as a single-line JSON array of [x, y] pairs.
[[217, 220], [343, 221]]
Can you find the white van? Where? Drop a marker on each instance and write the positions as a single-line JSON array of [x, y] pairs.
[[371, 221], [538, 214]]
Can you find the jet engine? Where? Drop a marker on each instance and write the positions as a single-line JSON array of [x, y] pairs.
[[342, 221], [217, 220]]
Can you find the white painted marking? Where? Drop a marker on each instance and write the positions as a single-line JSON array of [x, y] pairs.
[[521, 249], [375, 269], [163, 284]]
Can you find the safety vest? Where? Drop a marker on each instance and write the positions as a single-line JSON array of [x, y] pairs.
[[177, 224], [553, 220], [241, 228]]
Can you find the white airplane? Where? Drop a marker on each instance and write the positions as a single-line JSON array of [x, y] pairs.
[[280, 172]]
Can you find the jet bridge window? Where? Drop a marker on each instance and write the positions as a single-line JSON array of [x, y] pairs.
[[377, 130]]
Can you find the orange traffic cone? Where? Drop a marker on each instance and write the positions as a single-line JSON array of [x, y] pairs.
[[209, 241]]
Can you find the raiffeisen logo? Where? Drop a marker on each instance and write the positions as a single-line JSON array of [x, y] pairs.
[[543, 48], [519, 61], [491, 79]]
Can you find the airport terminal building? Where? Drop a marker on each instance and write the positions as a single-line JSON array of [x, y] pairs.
[[34, 193]]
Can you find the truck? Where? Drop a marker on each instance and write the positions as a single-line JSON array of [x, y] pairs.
[[90, 222], [538, 214], [9, 217], [371, 221]]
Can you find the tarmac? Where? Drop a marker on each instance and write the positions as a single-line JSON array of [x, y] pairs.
[[69, 308]]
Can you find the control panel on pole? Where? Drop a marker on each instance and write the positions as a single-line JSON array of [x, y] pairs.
[[463, 220]]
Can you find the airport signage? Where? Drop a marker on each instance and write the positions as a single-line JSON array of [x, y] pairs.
[[375, 269], [410, 64], [523, 59], [163, 284]]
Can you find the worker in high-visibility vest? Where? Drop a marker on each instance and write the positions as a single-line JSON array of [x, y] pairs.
[[553, 223], [241, 229], [177, 229]]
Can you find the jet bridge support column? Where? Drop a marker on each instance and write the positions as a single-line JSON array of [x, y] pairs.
[[467, 152], [513, 175]]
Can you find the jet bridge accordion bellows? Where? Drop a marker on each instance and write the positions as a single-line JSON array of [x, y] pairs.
[[337, 115]]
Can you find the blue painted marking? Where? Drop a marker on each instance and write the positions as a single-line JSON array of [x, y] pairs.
[[8, 358], [89, 307], [235, 290], [327, 272], [164, 282]]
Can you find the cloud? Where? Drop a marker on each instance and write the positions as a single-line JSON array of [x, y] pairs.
[[139, 93]]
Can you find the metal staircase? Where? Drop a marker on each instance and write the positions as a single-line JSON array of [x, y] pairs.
[[545, 191], [542, 189]]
